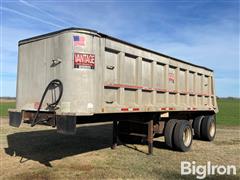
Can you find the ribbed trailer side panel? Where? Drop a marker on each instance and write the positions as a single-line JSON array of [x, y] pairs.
[[137, 80]]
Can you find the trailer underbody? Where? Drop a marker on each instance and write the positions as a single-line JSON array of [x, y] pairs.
[[128, 128]]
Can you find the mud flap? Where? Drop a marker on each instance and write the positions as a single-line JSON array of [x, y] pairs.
[[66, 124], [15, 119]]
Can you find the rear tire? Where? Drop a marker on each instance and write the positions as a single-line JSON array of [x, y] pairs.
[[197, 126], [208, 128], [168, 132], [183, 135]]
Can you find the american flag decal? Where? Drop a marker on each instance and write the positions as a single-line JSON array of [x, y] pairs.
[[79, 40]]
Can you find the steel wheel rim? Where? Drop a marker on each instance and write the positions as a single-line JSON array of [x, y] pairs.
[[212, 129], [187, 136]]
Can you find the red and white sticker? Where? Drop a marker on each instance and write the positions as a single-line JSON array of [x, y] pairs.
[[36, 105], [171, 77], [82, 60], [130, 109]]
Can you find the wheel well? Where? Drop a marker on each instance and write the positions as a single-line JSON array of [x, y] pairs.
[[189, 115]]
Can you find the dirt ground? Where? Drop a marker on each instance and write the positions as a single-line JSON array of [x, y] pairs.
[[41, 153]]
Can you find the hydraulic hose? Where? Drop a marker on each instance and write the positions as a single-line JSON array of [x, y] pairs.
[[56, 83]]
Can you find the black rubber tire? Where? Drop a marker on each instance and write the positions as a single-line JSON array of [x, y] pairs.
[[178, 135], [197, 126], [205, 128], [168, 132]]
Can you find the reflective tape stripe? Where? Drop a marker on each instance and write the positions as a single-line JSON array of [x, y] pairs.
[[135, 109], [130, 109], [165, 109]]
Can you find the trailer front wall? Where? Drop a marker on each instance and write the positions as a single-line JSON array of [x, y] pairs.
[[36, 68]]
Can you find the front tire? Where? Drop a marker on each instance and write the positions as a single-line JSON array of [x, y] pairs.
[[197, 126], [208, 128], [183, 135], [168, 132]]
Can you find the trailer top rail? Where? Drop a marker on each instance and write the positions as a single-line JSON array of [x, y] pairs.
[[47, 35]]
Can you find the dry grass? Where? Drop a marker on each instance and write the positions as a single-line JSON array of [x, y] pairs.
[[41, 153]]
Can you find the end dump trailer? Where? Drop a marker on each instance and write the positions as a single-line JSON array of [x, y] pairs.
[[71, 75]]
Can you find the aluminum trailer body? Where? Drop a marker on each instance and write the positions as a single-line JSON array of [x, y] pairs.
[[102, 75]]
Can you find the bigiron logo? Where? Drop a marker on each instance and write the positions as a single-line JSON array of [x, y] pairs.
[[202, 171]]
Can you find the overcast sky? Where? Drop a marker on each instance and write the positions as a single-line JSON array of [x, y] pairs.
[[201, 32]]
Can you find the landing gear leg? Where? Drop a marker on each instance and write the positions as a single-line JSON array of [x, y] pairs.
[[150, 137], [115, 133]]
